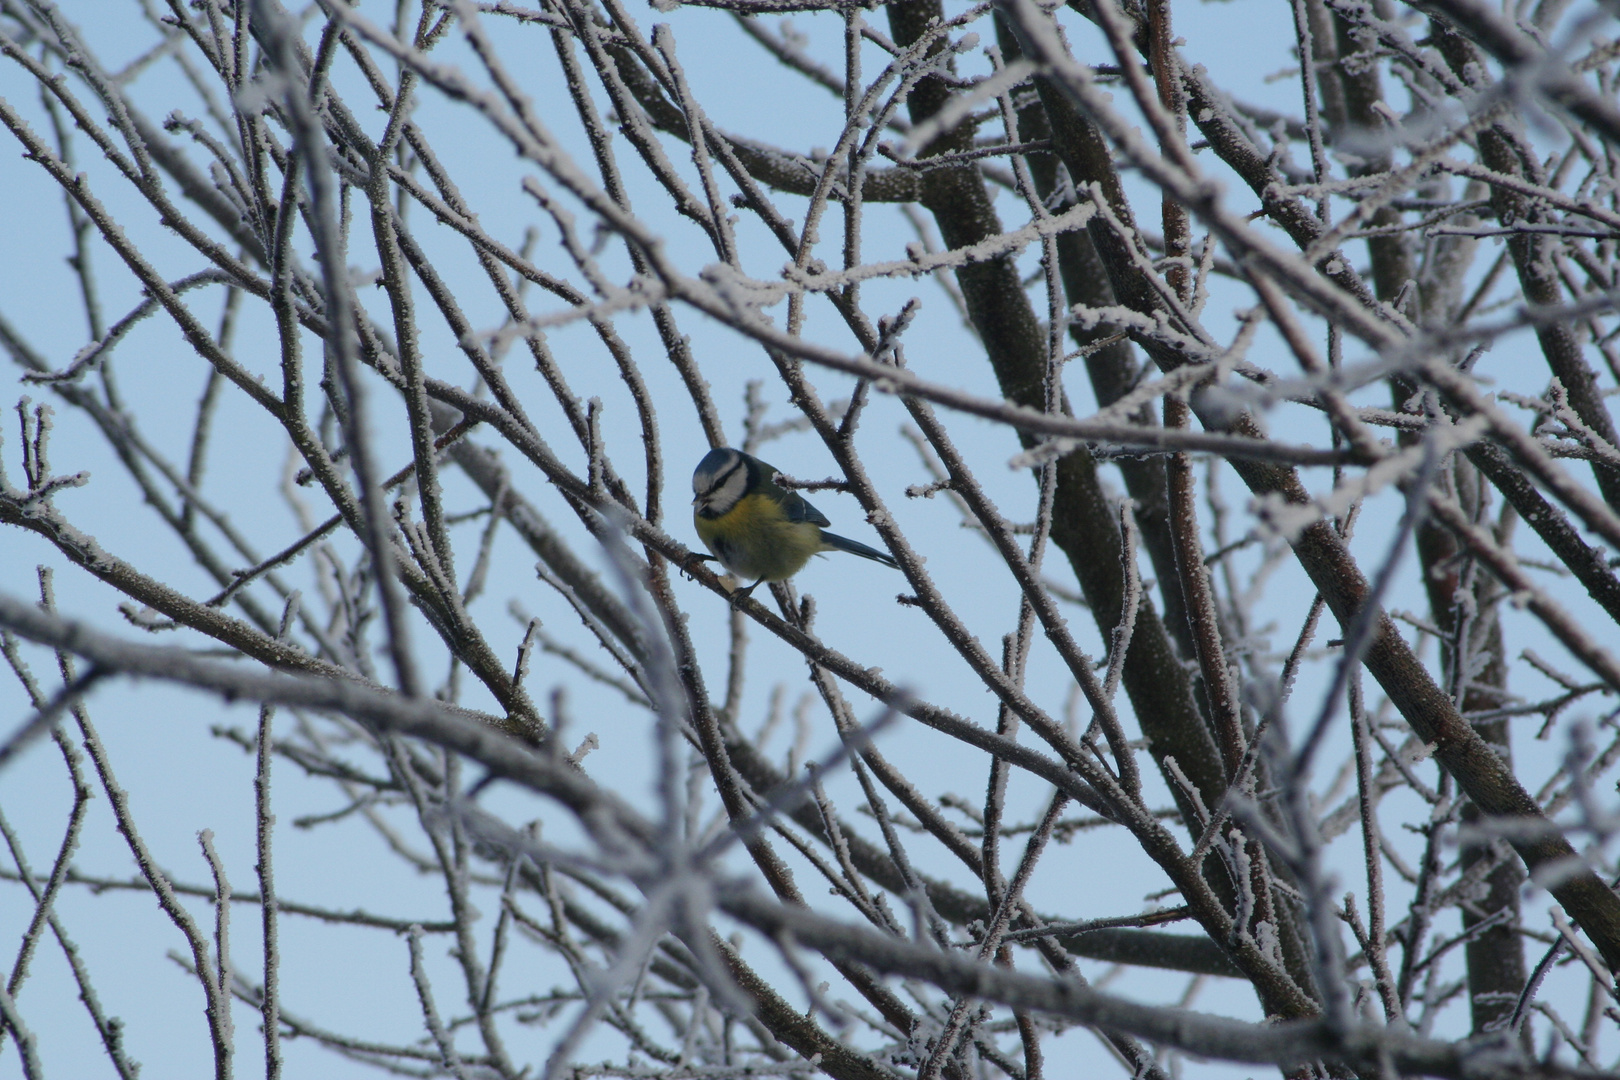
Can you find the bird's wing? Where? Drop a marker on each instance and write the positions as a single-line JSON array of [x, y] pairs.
[[799, 509]]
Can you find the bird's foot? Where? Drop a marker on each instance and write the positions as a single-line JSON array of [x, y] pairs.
[[685, 565]]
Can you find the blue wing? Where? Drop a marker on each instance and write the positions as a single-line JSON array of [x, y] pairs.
[[799, 509]]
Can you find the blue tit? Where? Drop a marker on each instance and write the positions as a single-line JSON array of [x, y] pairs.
[[757, 528]]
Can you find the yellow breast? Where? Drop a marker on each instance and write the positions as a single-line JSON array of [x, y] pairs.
[[756, 541]]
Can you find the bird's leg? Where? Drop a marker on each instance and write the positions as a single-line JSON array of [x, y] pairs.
[[743, 594]]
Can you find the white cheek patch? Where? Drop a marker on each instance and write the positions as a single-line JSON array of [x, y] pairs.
[[729, 492]]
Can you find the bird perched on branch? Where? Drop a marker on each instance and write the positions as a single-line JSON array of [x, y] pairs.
[[757, 528]]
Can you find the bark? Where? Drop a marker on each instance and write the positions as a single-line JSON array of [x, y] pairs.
[[1322, 553], [1504, 149], [1084, 527]]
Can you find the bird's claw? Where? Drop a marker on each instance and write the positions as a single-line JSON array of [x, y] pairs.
[[685, 565]]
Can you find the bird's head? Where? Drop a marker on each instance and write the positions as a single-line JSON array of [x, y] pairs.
[[721, 480]]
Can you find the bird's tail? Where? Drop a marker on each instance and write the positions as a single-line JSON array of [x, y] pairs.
[[834, 542]]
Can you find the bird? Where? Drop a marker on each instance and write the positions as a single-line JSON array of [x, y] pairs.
[[755, 527]]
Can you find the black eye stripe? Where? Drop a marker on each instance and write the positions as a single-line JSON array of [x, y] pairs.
[[719, 481]]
